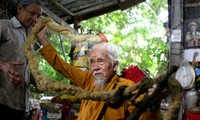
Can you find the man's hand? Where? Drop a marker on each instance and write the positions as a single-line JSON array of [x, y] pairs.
[[42, 36], [9, 70]]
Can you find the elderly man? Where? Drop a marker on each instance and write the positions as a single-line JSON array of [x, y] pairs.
[[193, 36], [101, 76], [14, 71]]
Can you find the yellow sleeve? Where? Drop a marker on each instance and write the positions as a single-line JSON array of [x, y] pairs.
[[74, 74]]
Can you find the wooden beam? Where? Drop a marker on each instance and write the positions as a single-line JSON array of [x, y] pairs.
[[124, 4], [99, 12], [188, 5], [60, 6], [81, 5], [98, 7], [58, 19]]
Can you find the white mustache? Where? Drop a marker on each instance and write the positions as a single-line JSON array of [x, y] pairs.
[[95, 72]]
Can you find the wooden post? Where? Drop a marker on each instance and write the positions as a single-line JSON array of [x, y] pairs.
[[176, 22]]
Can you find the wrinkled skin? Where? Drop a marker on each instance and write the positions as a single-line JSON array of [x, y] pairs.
[[8, 69], [100, 64], [27, 16]]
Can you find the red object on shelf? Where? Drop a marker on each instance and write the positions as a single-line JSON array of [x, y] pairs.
[[133, 73], [192, 116]]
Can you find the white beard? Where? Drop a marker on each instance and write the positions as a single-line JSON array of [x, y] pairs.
[[99, 83]]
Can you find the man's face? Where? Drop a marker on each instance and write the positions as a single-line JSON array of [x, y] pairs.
[[29, 14], [101, 65], [193, 28]]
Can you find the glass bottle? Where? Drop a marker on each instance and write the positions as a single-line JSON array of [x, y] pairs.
[[191, 97]]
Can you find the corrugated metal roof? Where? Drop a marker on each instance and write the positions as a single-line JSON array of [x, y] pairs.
[[74, 11]]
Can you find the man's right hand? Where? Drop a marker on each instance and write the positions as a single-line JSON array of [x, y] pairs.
[[8, 69], [42, 36]]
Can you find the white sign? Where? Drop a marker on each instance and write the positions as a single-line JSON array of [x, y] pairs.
[[176, 36]]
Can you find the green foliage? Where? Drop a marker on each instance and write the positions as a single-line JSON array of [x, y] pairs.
[[46, 69], [139, 33]]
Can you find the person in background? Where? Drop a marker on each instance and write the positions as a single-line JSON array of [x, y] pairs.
[[15, 76], [193, 36], [101, 76]]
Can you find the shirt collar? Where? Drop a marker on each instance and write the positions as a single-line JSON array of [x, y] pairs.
[[16, 22]]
